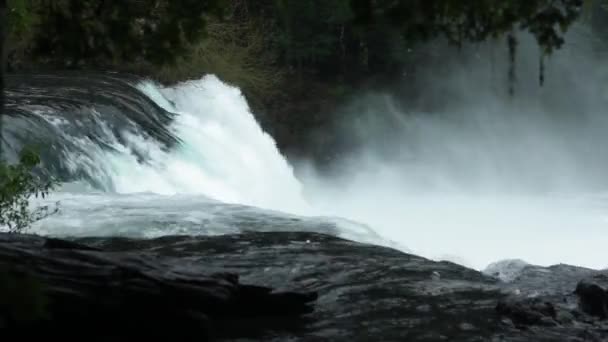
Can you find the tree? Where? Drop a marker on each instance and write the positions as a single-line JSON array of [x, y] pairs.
[[377, 35], [3, 28], [18, 182], [313, 31], [95, 32]]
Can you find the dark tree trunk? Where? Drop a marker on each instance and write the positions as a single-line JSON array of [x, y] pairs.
[[3, 31]]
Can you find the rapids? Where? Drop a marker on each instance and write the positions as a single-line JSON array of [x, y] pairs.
[[141, 160]]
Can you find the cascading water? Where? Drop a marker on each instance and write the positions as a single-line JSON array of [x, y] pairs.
[[485, 182], [207, 169], [224, 154]]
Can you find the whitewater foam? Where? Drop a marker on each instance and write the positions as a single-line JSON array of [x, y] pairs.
[[225, 164], [223, 153]]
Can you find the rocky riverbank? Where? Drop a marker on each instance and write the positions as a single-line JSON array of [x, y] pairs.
[[323, 288]]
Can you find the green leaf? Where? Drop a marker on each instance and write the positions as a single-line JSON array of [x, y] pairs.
[[18, 184]]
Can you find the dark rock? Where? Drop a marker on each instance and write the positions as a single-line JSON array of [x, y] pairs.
[[593, 298], [186, 288], [527, 312], [65, 244], [371, 293], [85, 288], [467, 327]]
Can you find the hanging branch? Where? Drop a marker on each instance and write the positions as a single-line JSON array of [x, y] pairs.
[[3, 29], [512, 43], [541, 75]]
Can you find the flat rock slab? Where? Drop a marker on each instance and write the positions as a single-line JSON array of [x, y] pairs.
[[290, 286], [59, 288], [371, 293]]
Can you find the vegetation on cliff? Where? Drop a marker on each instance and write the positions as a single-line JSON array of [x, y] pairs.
[[340, 38], [295, 60], [106, 32]]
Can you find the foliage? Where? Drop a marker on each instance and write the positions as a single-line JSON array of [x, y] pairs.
[[18, 184], [331, 37], [312, 31], [20, 16], [91, 30], [235, 51], [378, 32], [22, 21]]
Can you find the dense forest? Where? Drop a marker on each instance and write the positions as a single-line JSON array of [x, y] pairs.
[[296, 61]]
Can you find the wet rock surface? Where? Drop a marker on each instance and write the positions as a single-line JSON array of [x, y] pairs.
[[593, 297], [375, 293], [297, 287], [56, 288]]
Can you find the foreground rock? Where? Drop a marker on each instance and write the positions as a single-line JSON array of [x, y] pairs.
[[365, 293], [593, 296], [370, 293], [58, 288]]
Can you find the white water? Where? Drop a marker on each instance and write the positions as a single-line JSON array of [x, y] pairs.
[[226, 176], [225, 154], [227, 158]]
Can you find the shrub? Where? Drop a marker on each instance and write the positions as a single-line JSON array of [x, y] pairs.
[[18, 184], [234, 51]]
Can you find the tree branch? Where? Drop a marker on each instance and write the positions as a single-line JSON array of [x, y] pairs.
[[3, 31]]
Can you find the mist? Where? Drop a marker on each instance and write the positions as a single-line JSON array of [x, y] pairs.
[[469, 174]]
